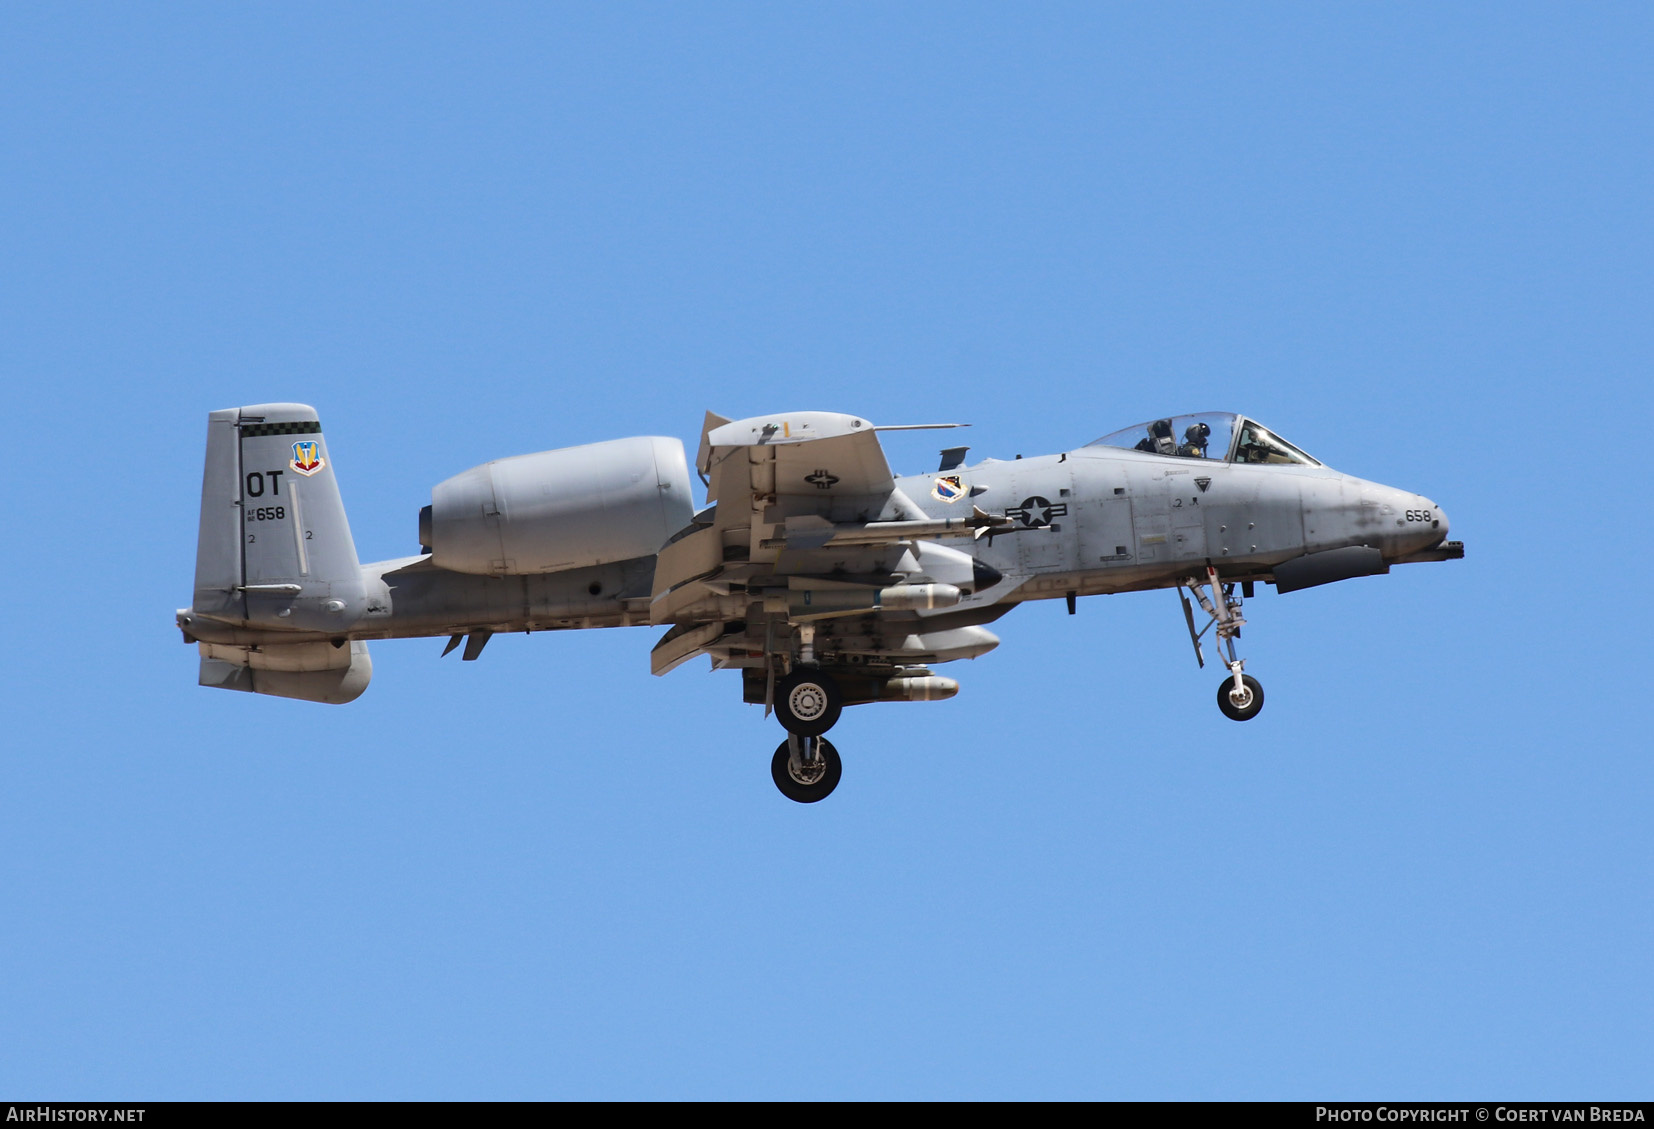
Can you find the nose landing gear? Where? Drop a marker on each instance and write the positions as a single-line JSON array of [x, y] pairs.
[[1242, 704], [1240, 696]]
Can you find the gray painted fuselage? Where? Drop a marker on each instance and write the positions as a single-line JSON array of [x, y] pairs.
[[1095, 520]]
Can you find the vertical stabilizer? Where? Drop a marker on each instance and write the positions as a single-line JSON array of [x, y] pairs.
[[296, 550], [275, 555]]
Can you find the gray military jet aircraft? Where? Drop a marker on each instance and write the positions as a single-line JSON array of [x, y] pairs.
[[822, 577]]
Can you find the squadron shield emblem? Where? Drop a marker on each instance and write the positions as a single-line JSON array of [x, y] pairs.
[[307, 457], [949, 488]]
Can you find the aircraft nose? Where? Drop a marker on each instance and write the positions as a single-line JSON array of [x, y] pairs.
[[1427, 521]]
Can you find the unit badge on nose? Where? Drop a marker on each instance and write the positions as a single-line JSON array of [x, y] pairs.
[[949, 488], [307, 457]]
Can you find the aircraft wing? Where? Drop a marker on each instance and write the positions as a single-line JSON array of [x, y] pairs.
[[806, 516], [819, 455]]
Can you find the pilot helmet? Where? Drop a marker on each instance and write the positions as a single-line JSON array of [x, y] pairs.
[[1197, 434]]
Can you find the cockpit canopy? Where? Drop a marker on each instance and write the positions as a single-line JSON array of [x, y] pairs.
[[1223, 436]]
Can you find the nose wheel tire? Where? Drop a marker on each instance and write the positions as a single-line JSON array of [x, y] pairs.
[[808, 702], [806, 781], [1244, 706]]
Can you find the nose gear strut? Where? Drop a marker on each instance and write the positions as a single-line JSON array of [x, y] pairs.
[[1240, 696]]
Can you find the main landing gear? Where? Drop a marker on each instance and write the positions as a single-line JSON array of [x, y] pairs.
[[807, 702], [806, 769], [1240, 696]]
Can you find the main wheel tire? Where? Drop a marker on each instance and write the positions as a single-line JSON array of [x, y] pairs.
[[1246, 709], [801, 791], [808, 702]]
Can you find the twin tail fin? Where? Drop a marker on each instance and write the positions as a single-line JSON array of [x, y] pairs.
[[274, 553]]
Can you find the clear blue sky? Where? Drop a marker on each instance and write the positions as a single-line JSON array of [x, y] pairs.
[[1416, 239]]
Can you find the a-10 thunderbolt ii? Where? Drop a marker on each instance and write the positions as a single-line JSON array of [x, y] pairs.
[[820, 576]]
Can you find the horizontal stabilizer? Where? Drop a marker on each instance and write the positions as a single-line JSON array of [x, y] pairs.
[[313, 672]]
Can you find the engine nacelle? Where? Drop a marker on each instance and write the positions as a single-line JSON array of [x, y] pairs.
[[557, 510]]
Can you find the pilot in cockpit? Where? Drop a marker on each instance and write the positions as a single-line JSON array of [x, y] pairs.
[[1195, 440]]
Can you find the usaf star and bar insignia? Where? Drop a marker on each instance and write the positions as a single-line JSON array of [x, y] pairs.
[[1037, 511]]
